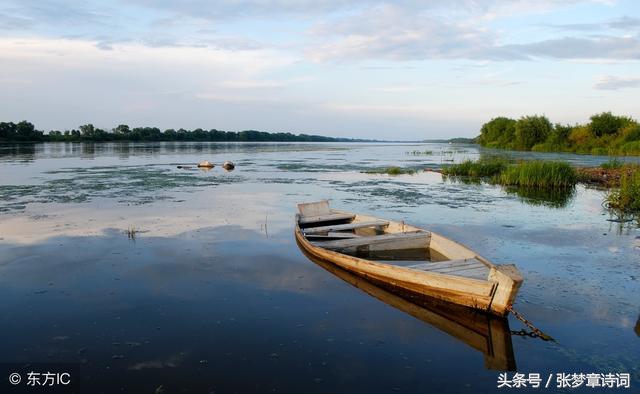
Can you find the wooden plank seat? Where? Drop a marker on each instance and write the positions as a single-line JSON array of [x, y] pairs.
[[470, 268], [348, 226], [331, 236], [329, 217], [394, 241]]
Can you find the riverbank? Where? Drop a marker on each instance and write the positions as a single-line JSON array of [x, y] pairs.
[[604, 177]]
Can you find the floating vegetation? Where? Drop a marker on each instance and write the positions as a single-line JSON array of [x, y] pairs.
[[391, 171], [539, 174], [307, 166], [485, 167], [420, 153], [129, 184]]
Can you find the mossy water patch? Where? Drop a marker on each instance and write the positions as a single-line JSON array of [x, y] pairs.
[[393, 170], [130, 184]]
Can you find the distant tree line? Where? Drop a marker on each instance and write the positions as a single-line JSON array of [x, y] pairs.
[[605, 134], [26, 132]]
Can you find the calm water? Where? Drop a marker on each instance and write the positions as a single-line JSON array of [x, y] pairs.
[[213, 294]]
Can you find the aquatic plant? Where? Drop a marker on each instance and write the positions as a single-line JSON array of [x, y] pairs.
[[420, 153], [393, 170], [485, 167], [131, 232], [626, 198], [539, 174]]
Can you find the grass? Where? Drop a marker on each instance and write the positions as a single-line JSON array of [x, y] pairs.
[[485, 167], [626, 198], [530, 174], [391, 171], [539, 174], [612, 164]]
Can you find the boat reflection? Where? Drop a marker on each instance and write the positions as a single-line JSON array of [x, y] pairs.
[[637, 328], [483, 332]]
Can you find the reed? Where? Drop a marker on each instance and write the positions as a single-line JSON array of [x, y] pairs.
[[539, 174], [483, 168]]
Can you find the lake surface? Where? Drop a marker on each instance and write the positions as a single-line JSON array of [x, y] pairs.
[[212, 294]]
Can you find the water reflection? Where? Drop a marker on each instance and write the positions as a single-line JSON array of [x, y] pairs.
[[18, 152], [553, 198], [637, 328], [484, 333], [126, 150]]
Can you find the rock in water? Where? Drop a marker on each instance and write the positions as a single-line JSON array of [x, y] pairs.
[[228, 165], [205, 164]]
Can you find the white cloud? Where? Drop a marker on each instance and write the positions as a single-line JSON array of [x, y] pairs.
[[72, 81], [391, 32], [610, 82]]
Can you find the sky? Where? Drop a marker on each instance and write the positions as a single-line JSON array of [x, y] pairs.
[[402, 70]]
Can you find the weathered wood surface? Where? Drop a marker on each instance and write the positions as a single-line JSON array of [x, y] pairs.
[[331, 236], [318, 208], [436, 265], [510, 280], [330, 217], [384, 240], [470, 268], [349, 226]]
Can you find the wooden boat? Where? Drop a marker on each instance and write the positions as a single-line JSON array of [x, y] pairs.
[[406, 257], [483, 332]]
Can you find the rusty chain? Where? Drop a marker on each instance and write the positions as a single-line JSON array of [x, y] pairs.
[[535, 332]]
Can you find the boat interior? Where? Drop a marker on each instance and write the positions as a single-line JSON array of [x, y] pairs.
[[388, 242]]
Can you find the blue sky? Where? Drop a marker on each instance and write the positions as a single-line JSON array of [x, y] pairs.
[[392, 70]]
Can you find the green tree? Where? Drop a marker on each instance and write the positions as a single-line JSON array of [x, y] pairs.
[[122, 130], [559, 135], [498, 132], [7, 131], [606, 123], [531, 130]]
